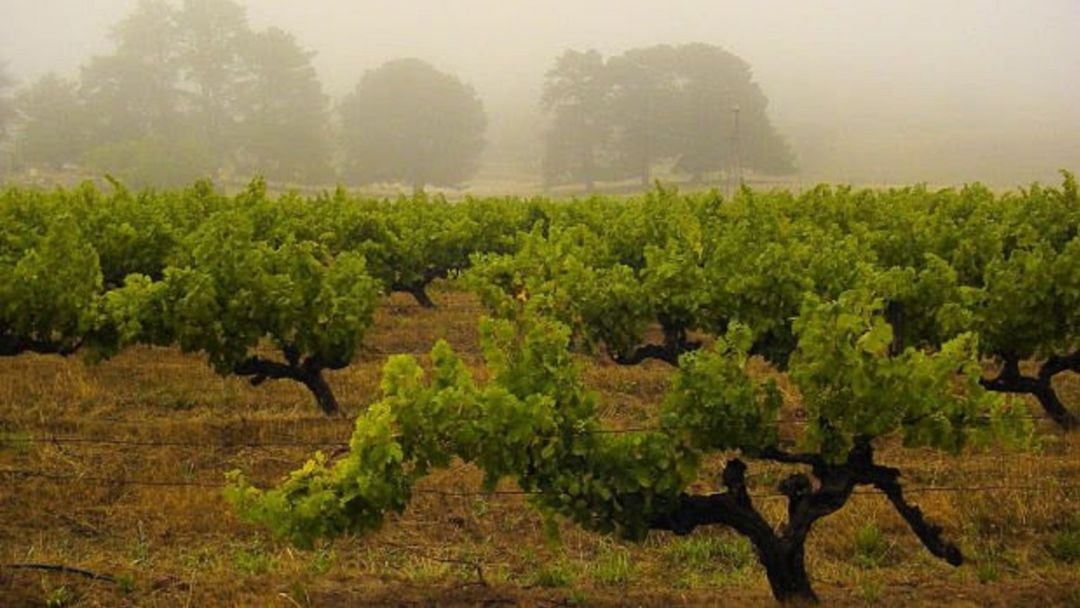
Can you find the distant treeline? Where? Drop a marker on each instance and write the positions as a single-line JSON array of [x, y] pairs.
[[191, 90]]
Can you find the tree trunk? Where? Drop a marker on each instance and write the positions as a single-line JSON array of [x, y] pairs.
[[308, 373], [13, 346], [675, 339], [320, 388], [675, 344], [419, 293], [587, 171], [783, 554], [1054, 408], [1048, 397], [418, 290], [1010, 380], [785, 567]]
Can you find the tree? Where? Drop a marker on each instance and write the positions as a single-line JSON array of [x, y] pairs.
[[210, 44], [154, 161], [7, 105], [716, 89], [408, 122], [190, 90], [52, 123], [133, 93], [7, 118], [618, 118], [644, 92], [283, 127], [576, 93], [133, 96]]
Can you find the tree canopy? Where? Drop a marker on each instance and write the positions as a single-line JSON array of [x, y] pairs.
[[408, 122], [7, 106], [187, 91], [53, 123], [283, 126], [576, 95], [695, 106]]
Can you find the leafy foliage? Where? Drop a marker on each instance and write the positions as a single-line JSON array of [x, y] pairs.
[[410, 123], [188, 90], [880, 306], [49, 291], [694, 106]]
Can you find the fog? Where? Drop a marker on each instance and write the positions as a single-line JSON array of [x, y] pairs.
[[864, 92]]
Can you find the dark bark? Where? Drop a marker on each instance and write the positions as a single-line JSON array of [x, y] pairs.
[[782, 552], [418, 288], [324, 395], [776, 346], [675, 344], [13, 346], [309, 373], [783, 556], [1011, 380], [894, 315], [785, 568], [658, 352], [418, 291], [887, 480]]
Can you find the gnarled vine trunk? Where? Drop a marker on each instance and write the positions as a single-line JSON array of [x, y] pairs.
[[1011, 380], [13, 346], [782, 552], [676, 342], [418, 288], [309, 373], [418, 291], [785, 568]]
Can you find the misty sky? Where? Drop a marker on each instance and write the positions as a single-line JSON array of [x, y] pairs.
[[865, 90]]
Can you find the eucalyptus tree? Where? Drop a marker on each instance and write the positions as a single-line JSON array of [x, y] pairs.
[[210, 43], [283, 122], [721, 115], [410, 123], [576, 96], [7, 104], [52, 123]]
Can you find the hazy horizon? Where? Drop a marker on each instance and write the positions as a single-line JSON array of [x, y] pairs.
[[865, 92]]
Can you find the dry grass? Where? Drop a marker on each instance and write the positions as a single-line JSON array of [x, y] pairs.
[[181, 546]]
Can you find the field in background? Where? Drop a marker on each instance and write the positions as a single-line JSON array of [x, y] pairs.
[[116, 469], [496, 181]]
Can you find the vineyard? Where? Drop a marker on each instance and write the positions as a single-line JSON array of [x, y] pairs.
[[846, 395]]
